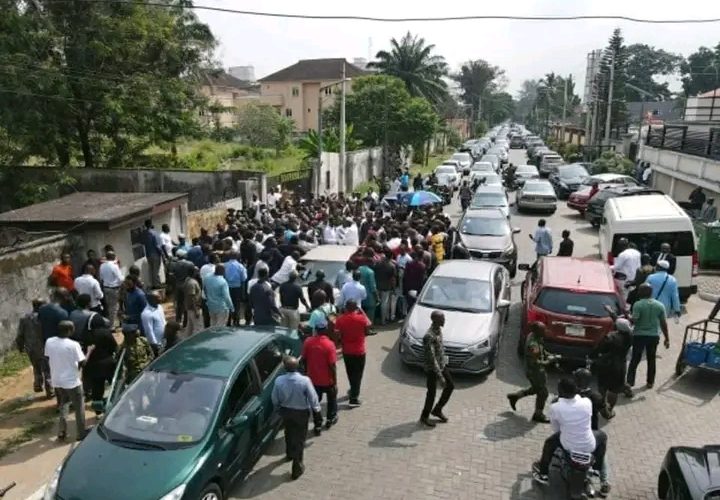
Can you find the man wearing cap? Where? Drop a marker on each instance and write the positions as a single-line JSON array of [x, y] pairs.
[[665, 288], [295, 397], [320, 358], [138, 353]]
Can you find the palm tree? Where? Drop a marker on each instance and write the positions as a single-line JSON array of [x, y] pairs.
[[411, 60]]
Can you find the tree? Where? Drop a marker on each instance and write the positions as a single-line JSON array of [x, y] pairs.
[[99, 80], [644, 63], [615, 54], [412, 61], [701, 71], [499, 106], [311, 145], [527, 99], [261, 126], [478, 79]]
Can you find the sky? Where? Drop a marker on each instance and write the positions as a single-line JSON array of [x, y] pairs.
[[525, 49]]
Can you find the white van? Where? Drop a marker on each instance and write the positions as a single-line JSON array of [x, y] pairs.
[[649, 221]]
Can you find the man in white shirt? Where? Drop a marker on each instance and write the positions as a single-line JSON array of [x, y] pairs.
[[329, 234], [627, 262], [272, 199], [66, 358], [87, 284], [166, 239], [112, 278], [283, 274], [153, 322], [350, 235], [571, 419]]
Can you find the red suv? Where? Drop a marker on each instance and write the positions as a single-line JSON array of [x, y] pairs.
[[569, 296]]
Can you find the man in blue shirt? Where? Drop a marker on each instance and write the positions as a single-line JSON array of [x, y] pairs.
[[135, 302], [195, 254], [236, 276], [295, 397], [154, 252], [543, 239], [217, 296], [405, 181], [352, 290], [665, 288]]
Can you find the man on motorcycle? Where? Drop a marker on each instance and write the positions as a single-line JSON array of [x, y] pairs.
[[571, 419], [509, 176], [465, 196]]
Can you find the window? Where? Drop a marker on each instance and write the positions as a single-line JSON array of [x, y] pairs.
[[309, 110], [576, 303], [328, 90], [327, 180], [268, 360], [288, 112], [295, 91], [681, 243], [240, 394]]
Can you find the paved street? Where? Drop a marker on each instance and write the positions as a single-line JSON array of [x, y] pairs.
[[485, 451]]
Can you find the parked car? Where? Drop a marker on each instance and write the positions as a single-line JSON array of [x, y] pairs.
[[492, 180], [568, 179], [536, 194], [475, 297], [690, 473], [568, 295], [596, 205], [464, 160], [549, 162], [447, 175], [524, 173], [501, 153], [189, 426], [517, 142], [580, 198], [490, 197], [491, 158], [481, 167], [486, 233]]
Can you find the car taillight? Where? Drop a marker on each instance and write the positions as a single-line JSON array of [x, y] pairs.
[[610, 258], [695, 264]]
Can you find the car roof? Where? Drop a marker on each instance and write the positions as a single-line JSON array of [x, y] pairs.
[[490, 188], [577, 274], [487, 213], [608, 177], [330, 253], [526, 167], [651, 206], [215, 352], [463, 268]]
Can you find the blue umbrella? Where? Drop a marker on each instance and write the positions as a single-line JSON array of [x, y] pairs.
[[420, 198]]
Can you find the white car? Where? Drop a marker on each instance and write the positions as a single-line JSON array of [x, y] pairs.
[[491, 180], [501, 153], [447, 175], [480, 168], [464, 160], [492, 158]]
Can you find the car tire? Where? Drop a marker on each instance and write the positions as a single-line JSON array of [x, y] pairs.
[[211, 492]]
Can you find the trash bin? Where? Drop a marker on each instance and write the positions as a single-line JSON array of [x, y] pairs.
[[708, 236]]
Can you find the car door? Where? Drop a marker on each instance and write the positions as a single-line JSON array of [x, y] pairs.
[[268, 365], [498, 314], [238, 432]]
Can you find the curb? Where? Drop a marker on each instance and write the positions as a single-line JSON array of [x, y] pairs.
[[709, 272], [710, 297]]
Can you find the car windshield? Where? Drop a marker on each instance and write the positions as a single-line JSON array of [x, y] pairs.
[[489, 200], [574, 171], [461, 156], [576, 303], [164, 408], [538, 187], [491, 179], [446, 170], [456, 294], [489, 158], [330, 268], [484, 226]]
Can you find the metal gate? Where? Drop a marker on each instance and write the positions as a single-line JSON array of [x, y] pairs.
[[296, 181]]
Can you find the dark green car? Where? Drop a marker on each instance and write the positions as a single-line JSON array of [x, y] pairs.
[[194, 422]]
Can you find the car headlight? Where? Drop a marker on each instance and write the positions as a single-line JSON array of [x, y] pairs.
[[405, 334], [175, 494], [479, 347], [509, 250], [52, 485]]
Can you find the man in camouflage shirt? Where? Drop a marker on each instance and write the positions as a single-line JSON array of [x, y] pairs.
[[436, 371], [138, 353], [536, 359]]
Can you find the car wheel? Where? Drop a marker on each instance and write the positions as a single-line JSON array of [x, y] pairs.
[[211, 492]]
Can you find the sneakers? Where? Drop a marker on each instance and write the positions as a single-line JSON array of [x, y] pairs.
[[539, 476], [354, 403], [604, 489], [512, 399], [427, 422], [440, 415], [540, 418], [331, 421]]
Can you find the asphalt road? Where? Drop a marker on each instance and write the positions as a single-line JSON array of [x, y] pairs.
[[485, 451]]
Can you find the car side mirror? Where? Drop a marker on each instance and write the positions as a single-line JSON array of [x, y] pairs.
[[524, 267], [413, 294], [503, 304], [516, 230]]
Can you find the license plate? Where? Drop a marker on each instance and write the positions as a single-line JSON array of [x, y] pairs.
[[575, 331]]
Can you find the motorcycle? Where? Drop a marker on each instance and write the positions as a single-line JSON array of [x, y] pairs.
[[576, 471]]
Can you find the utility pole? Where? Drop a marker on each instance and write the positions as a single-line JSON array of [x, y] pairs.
[[342, 124], [608, 118], [562, 127]]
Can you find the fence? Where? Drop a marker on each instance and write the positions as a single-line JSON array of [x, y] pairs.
[[297, 181], [705, 143]]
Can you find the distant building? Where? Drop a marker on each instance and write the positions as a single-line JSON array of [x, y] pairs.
[[227, 95], [246, 73], [654, 113], [360, 62], [703, 107], [295, 91]]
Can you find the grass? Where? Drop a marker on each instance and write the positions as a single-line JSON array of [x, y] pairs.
[[12, 363], [433, 161], [28, 433]]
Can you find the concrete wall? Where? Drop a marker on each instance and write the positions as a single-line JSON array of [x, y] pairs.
[[205, 189], [360, 166], [678, 173], [24, 270]]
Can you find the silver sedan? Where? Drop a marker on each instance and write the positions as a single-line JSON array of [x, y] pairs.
[[537, 194]]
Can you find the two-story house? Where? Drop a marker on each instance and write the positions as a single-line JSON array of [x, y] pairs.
[[296, 91], [226, 95]]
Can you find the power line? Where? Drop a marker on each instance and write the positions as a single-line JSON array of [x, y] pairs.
[[47, 96], [404, 19]]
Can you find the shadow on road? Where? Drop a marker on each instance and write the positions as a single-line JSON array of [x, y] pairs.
[[397, 436], [263, 480], [511, 426]]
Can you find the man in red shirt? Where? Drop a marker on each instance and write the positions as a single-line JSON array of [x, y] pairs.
[[353, 326], [320, 359], [62, 274]]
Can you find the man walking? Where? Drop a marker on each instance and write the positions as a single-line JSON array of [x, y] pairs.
[[135, 300], [648, 315], [154, 252], [217, 296], [236, 277], [352, 290], [291, 295], [665, 288], [262, 301], [536, 359], [353, 326], [414, 277], [543, 239], [295, 397], [566, 245], [436, 371], [386, 277], [153, 322], [192, 298], [138, 353], [62, 274], [320, 358], [66, 360], [180, 269], [112, 279], [626, 264], [29, 340], [88, 285]]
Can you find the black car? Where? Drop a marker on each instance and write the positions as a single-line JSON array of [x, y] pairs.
[[690, 473], [596, 206], [568, 179]]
